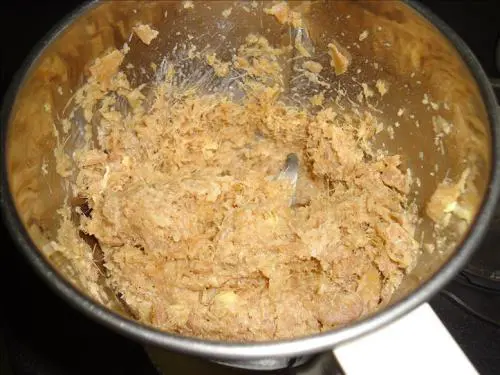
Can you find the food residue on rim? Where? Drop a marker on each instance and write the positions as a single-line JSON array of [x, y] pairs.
[[221, 68], [382, 87], [106, 67], [312, 66], [227, 12], [444, 201], [145, 33], [363, 35], [188, 4], [340, 58], [317, 99], [284, 15]]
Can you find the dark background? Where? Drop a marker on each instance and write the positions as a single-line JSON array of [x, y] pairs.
[[43, 335]]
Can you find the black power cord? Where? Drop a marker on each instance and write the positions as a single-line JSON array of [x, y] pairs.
[[469, 309]]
